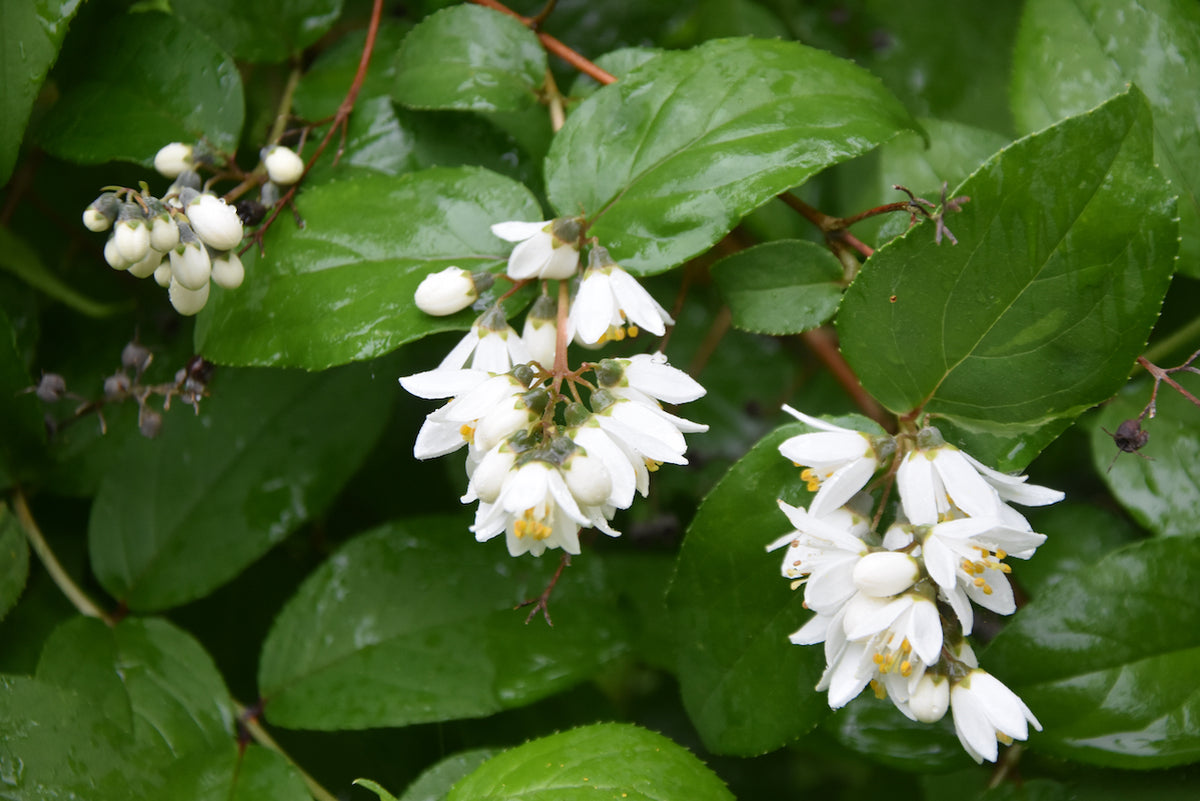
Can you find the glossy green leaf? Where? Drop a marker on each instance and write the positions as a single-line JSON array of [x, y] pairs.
[[667, 160], [470, 58], [56, 745], [22, 431], [150, 678], [183, 514], [1160, 484], [19, 259], [781, 287], [1065, 252], [1072, 54], [606, 760], [435, 783], [33, 30], [340, 289], [381, 634], [747, 689], [231, 773], [378, 790], [1078, 534], [14, 561], [264, 30], [323, 86], [1107, 658], [114, 108]]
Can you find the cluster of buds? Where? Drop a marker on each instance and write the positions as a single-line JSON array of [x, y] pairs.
[[188, 237], [189, 385], [894, 609], [543, 463]]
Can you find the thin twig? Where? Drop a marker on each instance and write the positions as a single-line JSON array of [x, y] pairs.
[[58, 574], [555, 46], [823, 343], [249, 720]]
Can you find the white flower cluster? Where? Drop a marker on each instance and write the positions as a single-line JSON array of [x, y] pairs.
[[541, 463], [893, 610]]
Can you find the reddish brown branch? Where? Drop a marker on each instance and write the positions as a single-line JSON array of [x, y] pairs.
[[553, 45], [823, 343]]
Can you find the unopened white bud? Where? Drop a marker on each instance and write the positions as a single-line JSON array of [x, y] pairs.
[[113, 256], [588, 479], [885, 573], [164, 233], [173, 159], [146, 267], [284, 167], [227, 271], [187, 301], [215, 222], [491, 473], [499, 424], [191, 266], [930, 699], [99, 216], [446, 292], [162, 275], [132, 237]]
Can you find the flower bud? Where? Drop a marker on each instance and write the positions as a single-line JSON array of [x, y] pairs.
[[215, 222], [491, 473], [500, 423], [587, 478], [135, 356], [162, 275], [188, 179], [931, 698], [164, 233], [284, 167], [99, 216], [146, 267], [446, 292], [885, 573], [227, 271], [540, 333], [173, 159], [187, 301], [269, 194], [190, 263], [113, 256], [115, 386], [150, 423], [131, 234], [51, 388]]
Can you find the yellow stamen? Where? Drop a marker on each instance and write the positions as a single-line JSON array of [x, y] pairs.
[[466, 431], [905, 668], [633, 331]]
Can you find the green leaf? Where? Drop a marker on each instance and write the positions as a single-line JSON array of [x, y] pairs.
[[1107, 658], [435, 782], [14, 561], [612, 759], [340, 289], [1065, 252], [34, 31], [470, 58], [149, 677], [746, 688], [180, 515], [323, 86], [22, 431], [56, 745], [1072, 54], [229, 773], [667, 160], [378, 790], [265, 30], [1160, 485], [781, 287], [114, 108], [380, 634], [19, 259], [1066, 549]]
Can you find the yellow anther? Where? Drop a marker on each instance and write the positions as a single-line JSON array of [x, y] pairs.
[[905, 646], [878, 658], [652, 465], [987, 589], [1003, 738], [905, 668], [466, 431], [980, 582], [879, 690], [633, 330], [1001, 554], [1005, 568]]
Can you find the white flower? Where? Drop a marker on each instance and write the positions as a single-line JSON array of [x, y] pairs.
[[886, 573], [446, 292], [644, 427], [490, 347], [535, 509], [284, 167], [822, 554], [627, 471], [113, 256], [146, 267], [986, 711], [173, 159], [477, 395], [228, 272], [929, 699], [215, 222], [131, 234], [608, 298], [645, 376], [191, 266], [540, 333], [164, 233], [547, 249], [187, 301], [965, 558], [839, 461]]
